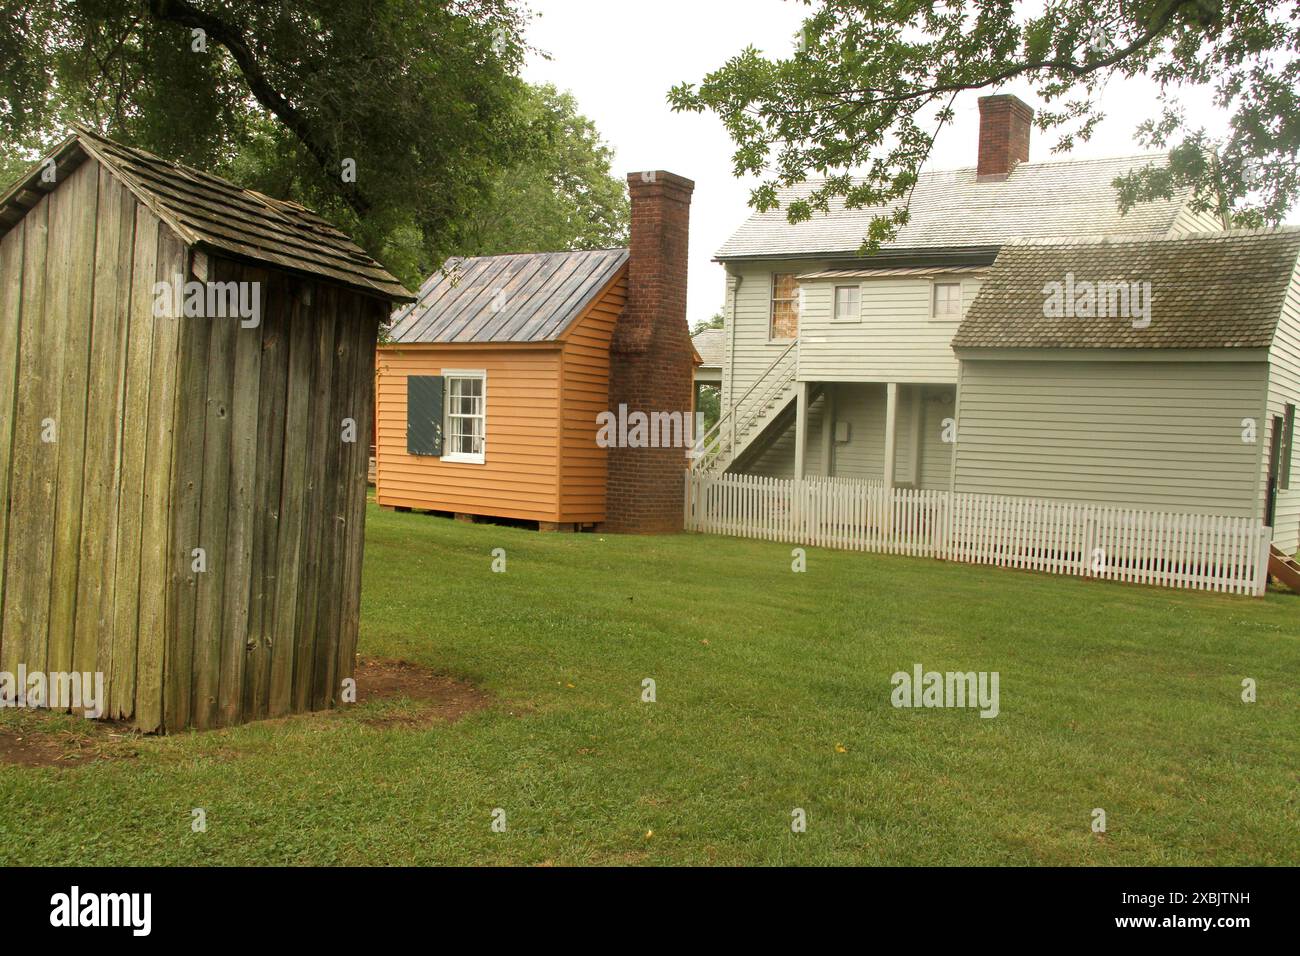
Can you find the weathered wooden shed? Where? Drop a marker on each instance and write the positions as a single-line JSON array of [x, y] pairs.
[[186, 374]]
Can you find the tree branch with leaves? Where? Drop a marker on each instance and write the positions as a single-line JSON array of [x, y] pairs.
[[421, 96], [868, 84]]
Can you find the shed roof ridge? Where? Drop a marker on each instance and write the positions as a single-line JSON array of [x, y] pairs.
[[204, 211]]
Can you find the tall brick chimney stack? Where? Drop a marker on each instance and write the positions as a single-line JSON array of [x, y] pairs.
[[1004, 135], [651, 358]]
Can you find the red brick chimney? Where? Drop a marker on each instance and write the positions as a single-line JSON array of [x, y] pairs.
[[651, 357], [1004, 135]]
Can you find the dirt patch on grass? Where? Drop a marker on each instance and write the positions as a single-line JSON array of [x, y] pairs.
[[406, 695], [431, 697], [32, 745]]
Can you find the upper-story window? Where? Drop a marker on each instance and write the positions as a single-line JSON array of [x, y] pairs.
[[947, 300], [785, 307], [848, 303]]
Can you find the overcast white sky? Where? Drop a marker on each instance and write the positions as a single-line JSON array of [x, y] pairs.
[[620, 57]]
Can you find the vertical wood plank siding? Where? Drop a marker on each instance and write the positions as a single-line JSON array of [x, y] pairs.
[[33, 462], [173, 434]]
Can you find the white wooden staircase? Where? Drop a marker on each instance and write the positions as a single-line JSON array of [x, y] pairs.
[[743, 423]]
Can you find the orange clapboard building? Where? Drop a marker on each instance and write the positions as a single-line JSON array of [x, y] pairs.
[[490, 385]]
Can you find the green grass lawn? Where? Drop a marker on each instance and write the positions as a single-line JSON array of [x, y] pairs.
[[773, 693]]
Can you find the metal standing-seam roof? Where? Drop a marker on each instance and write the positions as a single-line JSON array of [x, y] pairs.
[[529, 297], [1209, 290], [951, 209], [208, 212], [912, 272]]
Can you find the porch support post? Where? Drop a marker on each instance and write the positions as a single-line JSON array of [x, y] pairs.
[[891, 433], [917, 393], [828, 428], [801, 427], [727, 396]]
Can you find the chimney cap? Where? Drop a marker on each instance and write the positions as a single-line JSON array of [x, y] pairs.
[[1005, 99], [659, 177]]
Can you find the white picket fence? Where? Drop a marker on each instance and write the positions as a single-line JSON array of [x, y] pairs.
[[1203, 552]]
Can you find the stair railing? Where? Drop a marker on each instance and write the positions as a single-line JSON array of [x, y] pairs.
[[719, 443]]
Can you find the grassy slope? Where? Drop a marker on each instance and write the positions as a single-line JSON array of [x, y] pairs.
[[1112, 696]]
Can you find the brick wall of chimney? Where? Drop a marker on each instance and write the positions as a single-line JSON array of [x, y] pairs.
[[651, 358], [1005, 122]]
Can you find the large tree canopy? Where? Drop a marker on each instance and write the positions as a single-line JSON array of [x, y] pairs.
[[395, 118], [869, 83], [559, 195]]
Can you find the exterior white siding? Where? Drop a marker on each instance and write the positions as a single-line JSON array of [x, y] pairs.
[[748, 316], [1161, 435], [1284, 388], [1188, 221], [895, 339]]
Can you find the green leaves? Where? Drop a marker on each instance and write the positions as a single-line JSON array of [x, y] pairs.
[[560, 194], [420, 97], [868, 84]]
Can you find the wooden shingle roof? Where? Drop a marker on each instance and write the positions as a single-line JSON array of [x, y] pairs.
[[1210, 290], [953, 209], [711, 347], [530, 297], [208, 212]]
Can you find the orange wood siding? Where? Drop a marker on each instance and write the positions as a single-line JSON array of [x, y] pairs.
[[583, 464], [520, 475]]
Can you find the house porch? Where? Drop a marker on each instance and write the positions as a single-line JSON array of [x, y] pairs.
[[895, 432]]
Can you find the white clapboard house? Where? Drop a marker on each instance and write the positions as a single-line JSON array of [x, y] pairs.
[[1077, 388]]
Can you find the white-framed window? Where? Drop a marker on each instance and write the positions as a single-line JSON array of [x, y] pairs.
[[465, 417], [945, 300], [785, 307], [848, 303]]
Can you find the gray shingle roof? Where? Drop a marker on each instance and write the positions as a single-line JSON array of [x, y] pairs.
[[950, 209], [208, 212], [531, 297], [1207, 290], [712, 346]]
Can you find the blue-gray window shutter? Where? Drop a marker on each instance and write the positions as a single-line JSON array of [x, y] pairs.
[[424, 414]]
